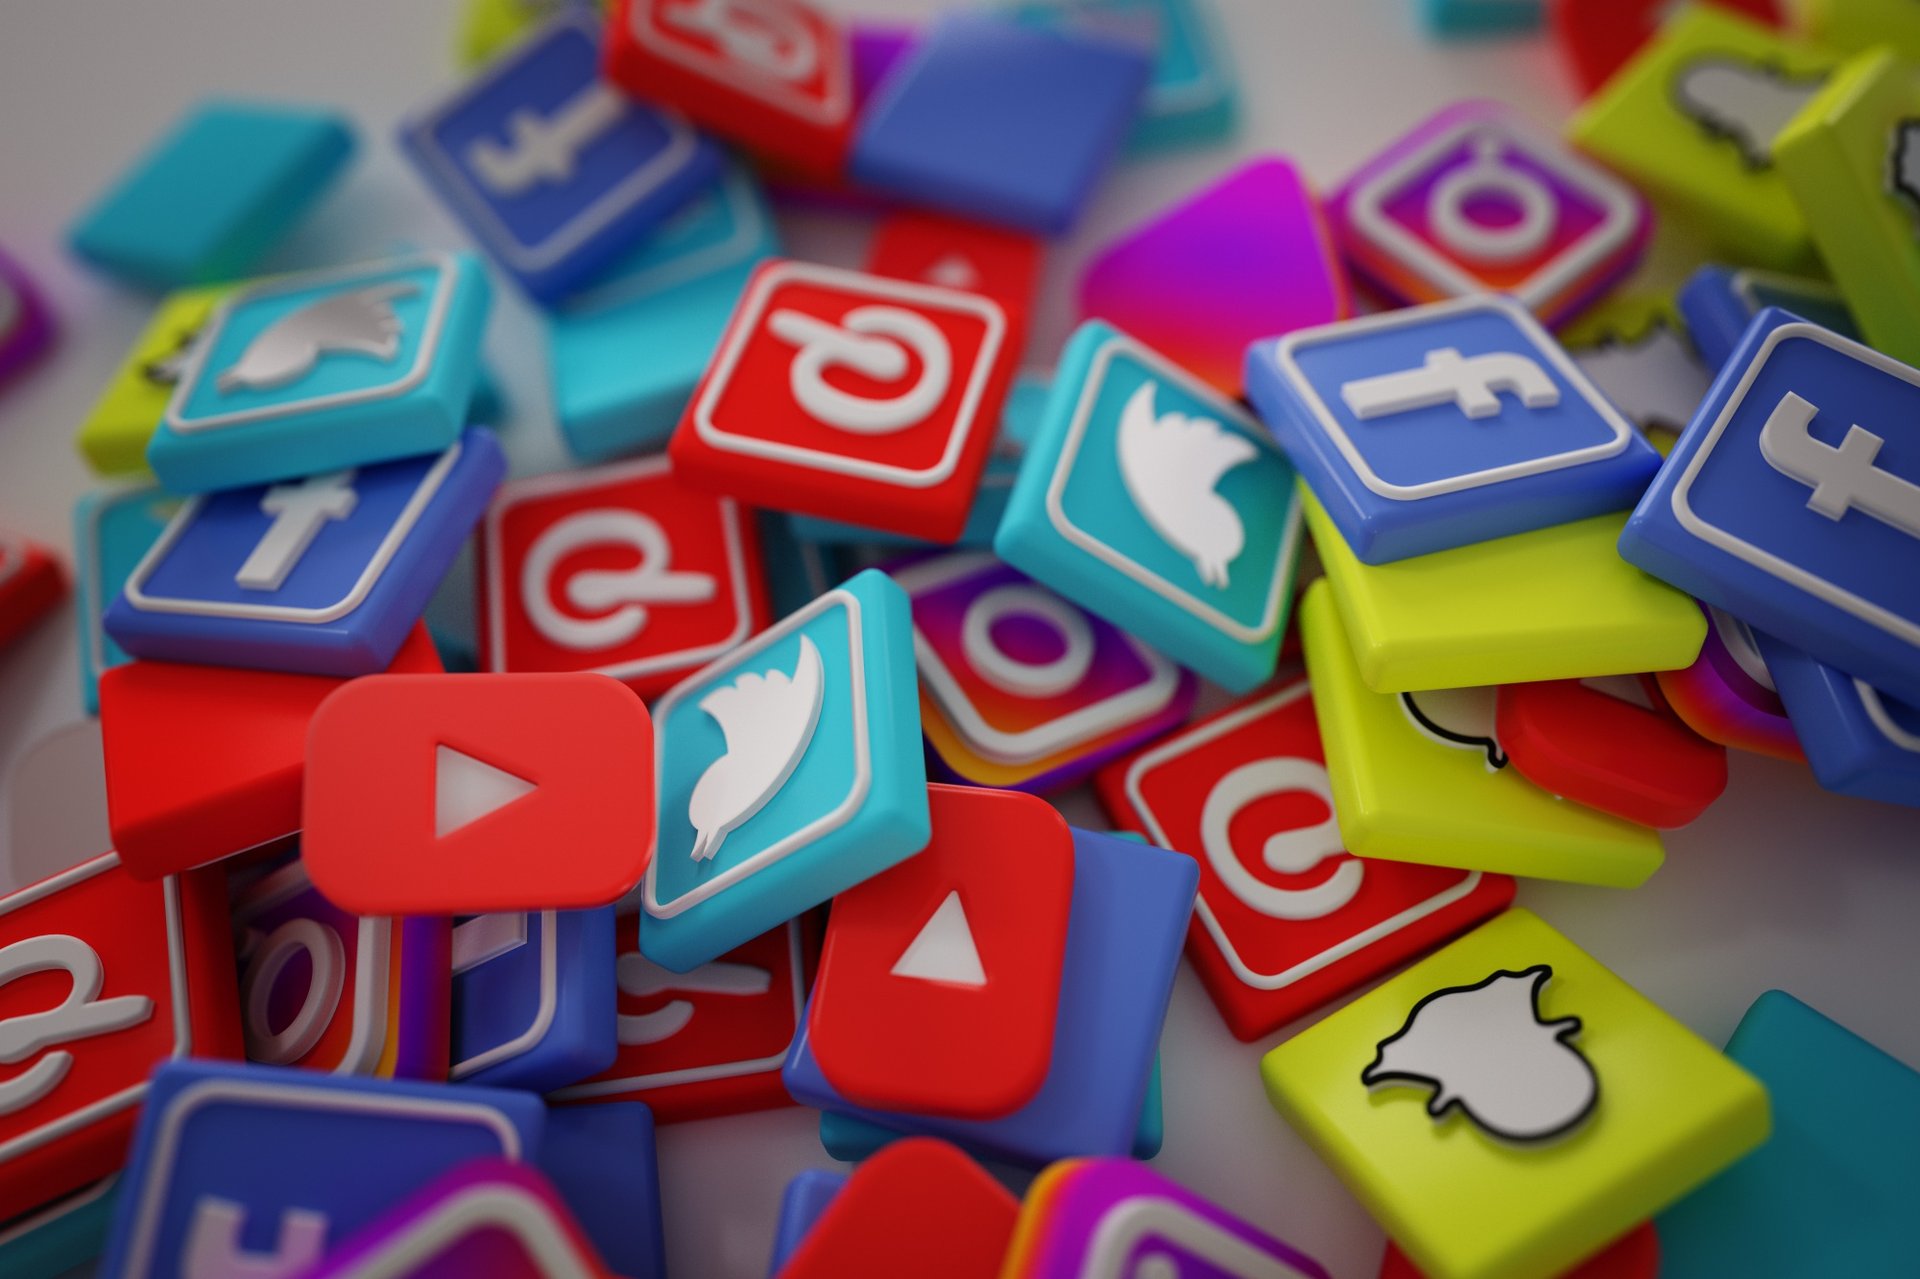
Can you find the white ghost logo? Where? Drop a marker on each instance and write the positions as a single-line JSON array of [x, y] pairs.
[[1485, 1049], [1745, 102]]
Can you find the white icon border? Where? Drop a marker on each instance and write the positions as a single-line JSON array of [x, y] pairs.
[[1128, 1222], [681, 146], [1043, 741], [372, 965], [148, 1199], [1285, 349], [1185, 743], [410, 516], [496, 1207], [1882, 619], [748, 322], [178, 993], [718, 1070], [443, 265], [832, 107], [544, 1013], [732, 521], [1619, 221], [819, 827], [1077, 429]]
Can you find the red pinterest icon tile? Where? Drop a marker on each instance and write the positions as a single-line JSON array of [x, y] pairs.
[[102, 978], [620, 569], [940, 978], [851, 397], [709, 1042], [1286, 919], [775, 76]]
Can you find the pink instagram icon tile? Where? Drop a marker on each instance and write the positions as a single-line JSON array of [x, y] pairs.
[[1477, 200], [1021, 690]]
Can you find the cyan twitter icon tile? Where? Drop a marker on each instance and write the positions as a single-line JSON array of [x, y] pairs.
[[1440, 426], [789, 770], [1792, 501], [1150, 500], [307, 373]]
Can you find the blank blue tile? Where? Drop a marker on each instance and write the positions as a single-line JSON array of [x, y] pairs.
[[998, 120], [211, 198], [1859, 741], [806, 1197], [603, 1161]]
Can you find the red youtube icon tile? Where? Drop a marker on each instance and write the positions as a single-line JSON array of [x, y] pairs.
[[1586, 744], [1286, 919], [775, 76], [102, 978], [931, 248], [31, 582], [709, 1042], [206, 761], [851, 397], [619, 569], [468, 794], [940, 978], [918, 1207]]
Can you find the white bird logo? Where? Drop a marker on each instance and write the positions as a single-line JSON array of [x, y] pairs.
[[768, 721], [358, 323], [1171, 464]]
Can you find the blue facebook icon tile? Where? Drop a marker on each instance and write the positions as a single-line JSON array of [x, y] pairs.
[[321, 576], [1858, 740], [554, 170], [258, 1169], [1440, 426], [533, 998], [1792, 501]]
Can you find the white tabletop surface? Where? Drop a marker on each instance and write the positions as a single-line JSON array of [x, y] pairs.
[[1778, 885]]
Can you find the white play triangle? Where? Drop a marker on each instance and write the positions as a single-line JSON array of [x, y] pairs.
[[466, 789], [944, 950]]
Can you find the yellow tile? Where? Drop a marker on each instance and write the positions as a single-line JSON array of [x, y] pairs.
[[113, 438], [1664, 1109], [1443, 794], [489, 26], [1691, 119], [1852, 160], [1853, 25], [1556, 603]]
